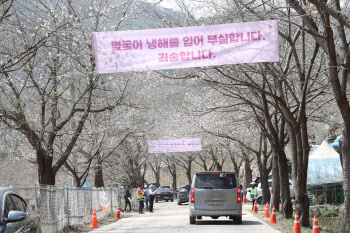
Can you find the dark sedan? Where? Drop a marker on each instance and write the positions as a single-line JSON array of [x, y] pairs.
[[164, 194], [183, 194], [15, 213]]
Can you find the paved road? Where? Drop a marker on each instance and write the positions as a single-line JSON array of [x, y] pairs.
[[169, 217]]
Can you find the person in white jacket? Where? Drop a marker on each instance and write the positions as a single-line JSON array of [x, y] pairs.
[[152, 195]]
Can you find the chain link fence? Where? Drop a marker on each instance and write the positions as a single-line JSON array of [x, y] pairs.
[[68, 206]]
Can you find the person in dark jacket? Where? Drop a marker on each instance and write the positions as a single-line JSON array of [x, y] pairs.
[[127, 198]]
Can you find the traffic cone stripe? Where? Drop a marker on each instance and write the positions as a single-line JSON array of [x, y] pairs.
[[273, 216], [94, 220], [255, 209], [296, 228], [315, 227], [267, 212], [117, 215], [244, 200]]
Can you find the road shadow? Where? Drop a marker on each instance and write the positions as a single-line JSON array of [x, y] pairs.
[[226, 222]]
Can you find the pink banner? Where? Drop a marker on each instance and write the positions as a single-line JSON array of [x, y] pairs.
[[176, 145], [169, 48]]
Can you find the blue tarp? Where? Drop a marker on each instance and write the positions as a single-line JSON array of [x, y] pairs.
[[335, 144]]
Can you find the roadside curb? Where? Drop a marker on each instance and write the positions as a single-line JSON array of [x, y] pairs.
[[247, 211]]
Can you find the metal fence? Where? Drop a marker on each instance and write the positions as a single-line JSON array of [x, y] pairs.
[[324, 194], [68, 206]]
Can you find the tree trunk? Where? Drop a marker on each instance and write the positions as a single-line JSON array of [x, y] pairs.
[[45, 171], [218, 167], [99, 175], [236, 167], [346, 183], [264, 176], [156, 171], [172, 170], [275, 181], [189, 175], [248, 176], [305, 203], [157, 174], [287, 208], [299, 176], [174, 181]]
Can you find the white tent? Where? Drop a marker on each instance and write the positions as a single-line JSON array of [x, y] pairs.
[[324, 166]]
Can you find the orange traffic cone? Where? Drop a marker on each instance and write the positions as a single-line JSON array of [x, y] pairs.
[[117, 216], [296, 228], [94, 220], [244, 200], [315, 228], [273, 216], [267, 212], [255, 209]]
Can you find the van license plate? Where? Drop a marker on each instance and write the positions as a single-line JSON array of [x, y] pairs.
[[215, 203]]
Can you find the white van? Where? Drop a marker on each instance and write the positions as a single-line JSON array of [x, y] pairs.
[[215, 194]]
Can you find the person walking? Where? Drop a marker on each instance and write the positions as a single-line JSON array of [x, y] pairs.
[[127, 198], [152, 195], [254, 193], [146, 195], [140, 198]]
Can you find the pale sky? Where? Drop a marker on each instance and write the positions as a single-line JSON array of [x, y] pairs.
[[172, 4], [165, 3]]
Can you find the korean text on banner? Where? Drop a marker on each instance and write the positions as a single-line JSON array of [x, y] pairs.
[[105, 204], [176, 145], [169, 48]]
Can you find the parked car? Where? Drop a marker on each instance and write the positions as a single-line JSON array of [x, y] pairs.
[[164, 194], [291, 189], [215, 194], [15, 213], [183, 195], [166, 187]]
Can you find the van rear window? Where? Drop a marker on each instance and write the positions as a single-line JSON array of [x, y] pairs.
[[214, 181]]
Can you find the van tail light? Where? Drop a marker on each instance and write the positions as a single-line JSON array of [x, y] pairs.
[[182, 191], [239, 197], [192, 195]]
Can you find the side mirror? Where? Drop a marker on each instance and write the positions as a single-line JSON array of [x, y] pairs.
[[15, 216]]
